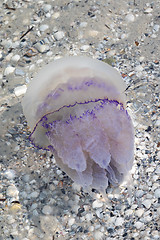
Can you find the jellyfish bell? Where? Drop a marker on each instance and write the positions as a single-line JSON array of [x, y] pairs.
[[75, 107]]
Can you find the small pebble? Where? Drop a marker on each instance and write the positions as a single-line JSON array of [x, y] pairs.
[[139, 212], [43, 28], [6, 43], [139, 193], [9, 70], [42, 48], [10, 174], [59, 35], [56, 15], [157, 193], [147, 203], [98, 235], [84, 48], [97, 204], [150, 170], [12, 191], [19, 72], [148, 10], [139, 68], [93, 33], [157, 123], [20, 90], [34, 206], [129, 212], [83, 24], [71, 221], [26, 178], [47, 210], [130, 17], [15, 58], [89, 216], [34, 194], [99, 213], [139, 225], [153, 36], [156, 28], [47, 7], [119, 221]]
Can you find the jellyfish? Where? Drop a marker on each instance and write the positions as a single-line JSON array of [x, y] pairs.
[[76, 108]]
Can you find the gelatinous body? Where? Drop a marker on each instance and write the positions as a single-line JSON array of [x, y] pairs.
[[76, 109]]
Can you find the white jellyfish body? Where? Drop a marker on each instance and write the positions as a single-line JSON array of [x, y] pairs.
[[75, 107]]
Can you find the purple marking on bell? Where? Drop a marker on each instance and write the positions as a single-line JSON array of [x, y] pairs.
[[83, 86], [105, 100], [51, 148]]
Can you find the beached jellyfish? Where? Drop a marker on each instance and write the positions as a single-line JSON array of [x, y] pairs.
[[75, 108]]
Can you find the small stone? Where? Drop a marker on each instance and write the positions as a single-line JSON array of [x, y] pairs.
[[157, 123], [158, 211], [49, 224], [47, 210], [141, 58], [84, 48], [139, 212], [34, 206], [19, 72], [147, 203], [10, 220], [12, 191], [76, 187], [20, 90], [123, 36], [119, 221], [16, 148], [157, 170], [139, 68], [98, 235], [157, 193], [97, 204], [148, 10], [93, 33], [130, 17], [150, 170], [10, 174], [34, 194], [6, 43], [91, 228], [155, 234], [56, 15], [153, 36], [26, 178], [83, 24], [9, 70], [89, 216], [15, 58], [139, 193], [41, 47], [59, 172], [47, 7], [129, 212], [99, 213], [111, 53], [156, 28], [71, 221], [48, 15], [59, 35], [139, 225], [43, 27]]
